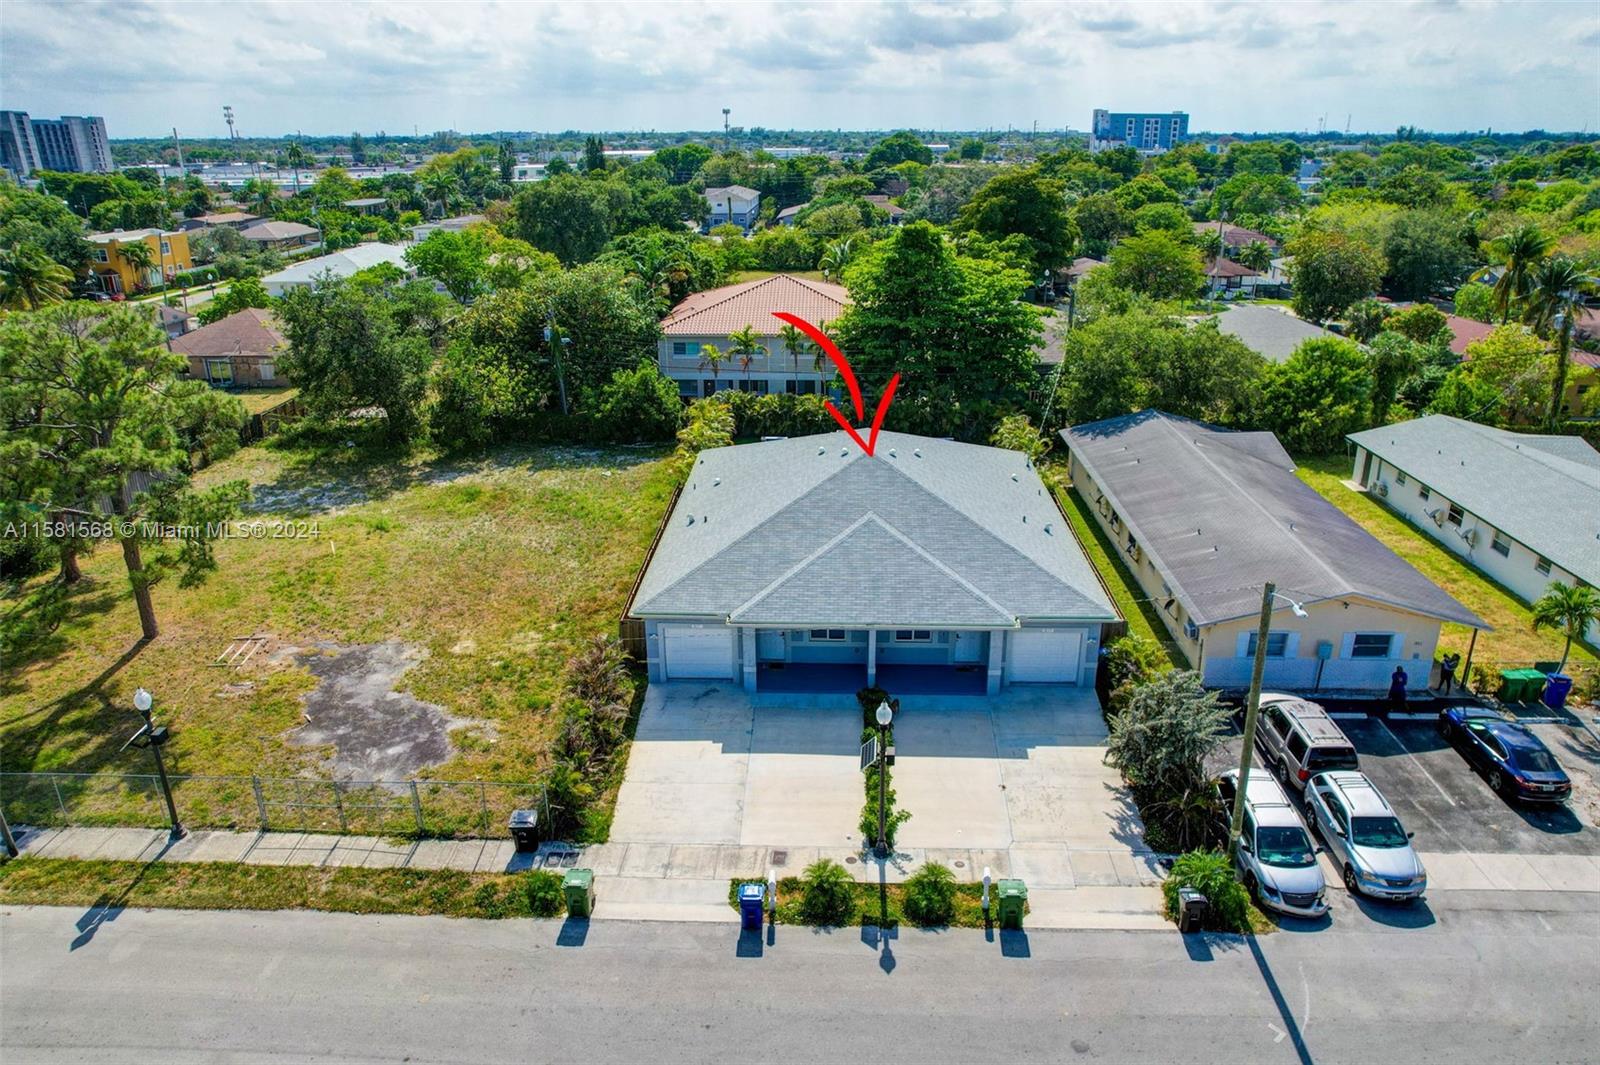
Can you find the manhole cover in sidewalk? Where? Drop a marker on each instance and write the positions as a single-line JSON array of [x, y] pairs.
[[959, 864], [780, 857], [851, 860]]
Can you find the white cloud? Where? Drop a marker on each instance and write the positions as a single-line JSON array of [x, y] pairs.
[[331, 67]]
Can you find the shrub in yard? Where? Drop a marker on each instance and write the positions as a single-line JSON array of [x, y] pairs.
[[568, 794], [870, 699], [544, 893], [827, 894], [1160, 740], [637, 404], [892, 819], [595, 716], [930, 895], [1130, 661], [1210, 873]]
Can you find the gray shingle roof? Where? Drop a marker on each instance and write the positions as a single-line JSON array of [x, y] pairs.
[[1219, 513], [1267, 330], [1541, 490], [811, 531]]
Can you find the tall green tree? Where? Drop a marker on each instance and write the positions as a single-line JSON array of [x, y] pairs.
[[1331, 270], [90, 400], [1318, 396], [241, 294], [953, 327], [138, 255], [1157, 264], [1023, 201], [1552, 305], [567, 216], [1425, 252], [744, 345]]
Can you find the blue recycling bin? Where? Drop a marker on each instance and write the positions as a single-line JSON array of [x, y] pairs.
[[752, 899], [1557, 687]]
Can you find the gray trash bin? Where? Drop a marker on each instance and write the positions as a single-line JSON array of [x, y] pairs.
[[1192, 907], [524, 826]]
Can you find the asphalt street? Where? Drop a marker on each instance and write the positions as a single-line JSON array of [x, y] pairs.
[[1476, 977]]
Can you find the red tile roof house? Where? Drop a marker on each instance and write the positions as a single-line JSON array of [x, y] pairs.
[[1236, 239], [239, 351], [1225, 274], [706, 318], [1464, 331]]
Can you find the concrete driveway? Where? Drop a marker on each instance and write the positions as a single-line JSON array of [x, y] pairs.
[[707, 767]]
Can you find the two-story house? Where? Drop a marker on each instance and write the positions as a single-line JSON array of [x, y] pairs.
[[120, 273], [732, 204], [694, 349]]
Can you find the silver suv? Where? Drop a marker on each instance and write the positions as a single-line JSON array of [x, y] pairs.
[[1365, 839], [1276, 857], [1297, 739]]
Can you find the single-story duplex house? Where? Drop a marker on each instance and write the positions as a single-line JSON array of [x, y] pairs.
[[706, 318], [732, 203], [929, 567], [1204, 517], [340, 264], [1268, 330], [232, 219], [1524, 509], [280, 236], [367, 204], [239, 351]]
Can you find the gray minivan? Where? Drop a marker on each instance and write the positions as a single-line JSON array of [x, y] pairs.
[[1297, 739]]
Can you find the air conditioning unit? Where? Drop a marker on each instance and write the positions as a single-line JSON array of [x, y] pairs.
[[1437, 514], [1470, 536], [1383, 489]]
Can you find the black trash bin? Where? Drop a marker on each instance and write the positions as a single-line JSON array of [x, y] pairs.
[[1192, 908], [524, 826]]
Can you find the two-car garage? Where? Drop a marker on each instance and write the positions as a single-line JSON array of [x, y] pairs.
[[697, 652]]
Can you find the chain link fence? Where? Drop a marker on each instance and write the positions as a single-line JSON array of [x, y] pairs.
[[431, 808]]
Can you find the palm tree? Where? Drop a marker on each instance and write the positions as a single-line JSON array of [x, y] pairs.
[[836, 258], [440, 187], [712, 358], [1519, 252], [744, 346], [30, 279], [138, 255], [1569, 608], [1257, 255], [1553, 302], [296, 157], [260, 194], [799, 345]]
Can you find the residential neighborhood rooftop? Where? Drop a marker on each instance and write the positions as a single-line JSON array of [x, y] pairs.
[[1464, 331], [1541, 490], [1219, 512], [1270, 331], [276, 230], [720, 311], [341, 263], [1235, 236], [925, 531], [252, 331]]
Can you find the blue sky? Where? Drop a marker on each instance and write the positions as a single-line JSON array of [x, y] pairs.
[[334, 67]]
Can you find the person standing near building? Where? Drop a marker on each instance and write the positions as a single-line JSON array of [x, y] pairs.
[[1397, 689]]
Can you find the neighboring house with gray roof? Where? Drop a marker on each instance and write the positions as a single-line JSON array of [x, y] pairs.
[[1522, 508], [1268, 330], [805, 565], [1204, 516]]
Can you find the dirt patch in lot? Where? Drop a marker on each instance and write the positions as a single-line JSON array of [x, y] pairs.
[[1579, 755], [376, 732]]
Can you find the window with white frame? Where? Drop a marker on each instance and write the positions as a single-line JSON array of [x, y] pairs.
[[1371, 644], [913, 636], [100, 256], [1542, 566], [1423, 492], [1455, 515], [1399, 477], [1277, 645], [826, 635], [1501, 544]]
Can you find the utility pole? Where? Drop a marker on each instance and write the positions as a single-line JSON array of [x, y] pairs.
[[726, 140], [1251, 709]]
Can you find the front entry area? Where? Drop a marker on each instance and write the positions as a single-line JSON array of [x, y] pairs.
[[905, 661]]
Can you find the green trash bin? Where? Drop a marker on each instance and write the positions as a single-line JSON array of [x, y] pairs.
[[1012, 900], [579, 889]]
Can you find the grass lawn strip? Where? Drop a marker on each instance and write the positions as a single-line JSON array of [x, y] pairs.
[[236, 886]]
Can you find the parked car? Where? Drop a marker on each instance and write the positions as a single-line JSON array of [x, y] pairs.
[[1364, 837], [1514, 761], [1297, 738], [1276, 857]]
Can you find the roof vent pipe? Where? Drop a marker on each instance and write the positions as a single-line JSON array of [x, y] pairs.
[[917, 452]]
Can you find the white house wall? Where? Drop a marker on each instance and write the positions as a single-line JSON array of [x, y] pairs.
[[775, 369], [1516, 570]]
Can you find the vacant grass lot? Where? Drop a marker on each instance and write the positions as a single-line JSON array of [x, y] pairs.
[[496, 568], [256, 400], [1513, 641]]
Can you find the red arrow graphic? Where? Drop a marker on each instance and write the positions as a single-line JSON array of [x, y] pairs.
[[830, 349]]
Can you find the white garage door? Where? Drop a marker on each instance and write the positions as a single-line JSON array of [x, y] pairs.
[[1045, 657], [697, 651]]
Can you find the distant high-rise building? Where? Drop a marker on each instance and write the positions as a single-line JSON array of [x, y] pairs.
[[1146, 132], [71, 143], [19, 151], [74, 143]]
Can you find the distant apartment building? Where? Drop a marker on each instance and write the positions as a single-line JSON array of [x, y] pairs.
[[19, 151], [71, 143], [1150, 132]]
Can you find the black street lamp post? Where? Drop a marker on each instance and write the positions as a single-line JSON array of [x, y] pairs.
[[154, 737], [884, 716]]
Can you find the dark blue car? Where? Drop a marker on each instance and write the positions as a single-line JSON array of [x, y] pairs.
[[1514, 761]]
